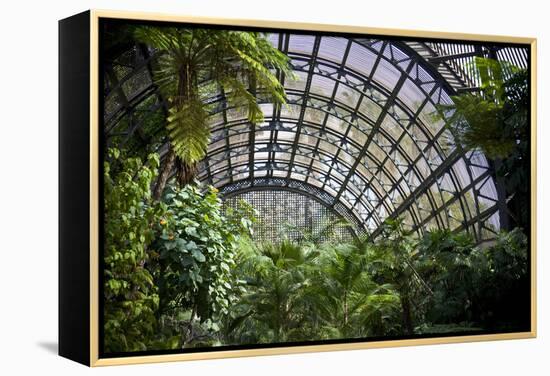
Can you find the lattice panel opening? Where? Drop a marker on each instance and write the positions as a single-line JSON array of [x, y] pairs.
[[294, 215]]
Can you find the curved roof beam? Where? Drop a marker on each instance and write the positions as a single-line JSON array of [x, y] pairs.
[[358, 126]]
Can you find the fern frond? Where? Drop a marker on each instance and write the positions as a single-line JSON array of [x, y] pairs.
[[162, 39], [238, 95], [188, 132]]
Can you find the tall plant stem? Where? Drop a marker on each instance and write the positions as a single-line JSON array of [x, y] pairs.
[[407, 315], [167, 166]]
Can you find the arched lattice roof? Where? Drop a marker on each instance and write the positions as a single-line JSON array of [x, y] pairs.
[[358, 133]]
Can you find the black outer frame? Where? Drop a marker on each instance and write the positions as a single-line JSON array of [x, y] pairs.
[[74, 188]]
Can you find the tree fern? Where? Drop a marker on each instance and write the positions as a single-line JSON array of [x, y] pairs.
[[195, 64]]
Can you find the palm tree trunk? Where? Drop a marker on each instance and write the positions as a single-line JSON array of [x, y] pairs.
[[167, 166], [407, 314], [345, 308]]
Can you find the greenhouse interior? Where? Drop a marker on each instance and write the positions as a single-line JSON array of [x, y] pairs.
[[290, 187]]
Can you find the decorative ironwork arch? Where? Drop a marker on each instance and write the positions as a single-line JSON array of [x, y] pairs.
[[358, 133]]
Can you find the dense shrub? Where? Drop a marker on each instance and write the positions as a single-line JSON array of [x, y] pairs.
[[195, 252], [130, 296]]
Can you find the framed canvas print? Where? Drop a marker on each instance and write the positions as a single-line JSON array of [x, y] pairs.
[[239, 187]]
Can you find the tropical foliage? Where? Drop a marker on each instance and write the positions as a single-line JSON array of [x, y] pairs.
[[181, 269], [185, 272], [398, 285], [483, 287], [194, 64], [496, 121], [195, 252], [130, 295]]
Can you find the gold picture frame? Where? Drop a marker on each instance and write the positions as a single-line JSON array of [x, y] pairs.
[[93, 204]]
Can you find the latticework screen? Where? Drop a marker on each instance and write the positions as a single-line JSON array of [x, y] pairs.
[[292, 215]]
